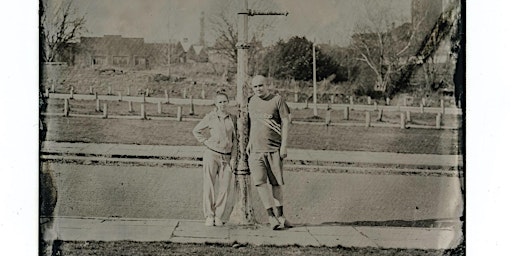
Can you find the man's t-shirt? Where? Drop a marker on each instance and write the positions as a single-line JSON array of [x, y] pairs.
[[265, 115]]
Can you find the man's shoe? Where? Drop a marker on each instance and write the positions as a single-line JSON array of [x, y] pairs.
[[218, 222], [274, 223], [283, 223], [209, 222]]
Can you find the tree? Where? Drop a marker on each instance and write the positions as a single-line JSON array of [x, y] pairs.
[[60, 25], [382, 47], [294, 60], [223, 25]]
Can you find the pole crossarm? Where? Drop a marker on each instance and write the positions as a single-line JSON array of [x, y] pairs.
[[255, 13]]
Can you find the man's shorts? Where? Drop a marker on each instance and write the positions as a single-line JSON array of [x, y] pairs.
[[266, 166]]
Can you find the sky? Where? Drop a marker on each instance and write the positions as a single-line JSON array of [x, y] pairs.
[[321, 20]]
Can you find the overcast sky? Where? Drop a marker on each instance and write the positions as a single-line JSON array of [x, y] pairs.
[[325, 20]]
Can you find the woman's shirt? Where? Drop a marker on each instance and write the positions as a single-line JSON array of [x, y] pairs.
[[222, 130]]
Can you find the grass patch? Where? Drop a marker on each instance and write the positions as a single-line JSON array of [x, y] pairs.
[[168, 248], [302, 136]]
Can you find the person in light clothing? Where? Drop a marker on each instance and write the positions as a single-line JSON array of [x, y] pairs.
[[218, 159], [267, 148]]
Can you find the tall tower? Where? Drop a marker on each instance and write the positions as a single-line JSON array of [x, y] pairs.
[[201, 33]]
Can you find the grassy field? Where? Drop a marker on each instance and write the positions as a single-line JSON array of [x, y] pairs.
[[302, 136], [168, 248], [195, 78]]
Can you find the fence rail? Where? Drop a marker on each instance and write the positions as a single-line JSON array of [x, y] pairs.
[[405, 120], [293, 105]]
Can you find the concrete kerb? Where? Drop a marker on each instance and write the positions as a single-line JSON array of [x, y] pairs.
[[194, 231], [305, 157]]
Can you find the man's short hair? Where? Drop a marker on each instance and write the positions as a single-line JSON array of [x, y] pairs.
[[258, 79]]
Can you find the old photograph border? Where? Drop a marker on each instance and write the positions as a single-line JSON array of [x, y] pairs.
[[487, 183]]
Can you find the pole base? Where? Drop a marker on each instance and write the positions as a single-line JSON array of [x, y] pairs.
[[243, 213]]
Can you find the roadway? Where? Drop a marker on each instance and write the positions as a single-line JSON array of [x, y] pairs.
[[311, 197]]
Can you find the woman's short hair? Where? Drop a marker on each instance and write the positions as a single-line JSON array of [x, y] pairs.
[[221, 91]]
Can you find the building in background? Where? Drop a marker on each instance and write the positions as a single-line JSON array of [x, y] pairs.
[[112, 51]]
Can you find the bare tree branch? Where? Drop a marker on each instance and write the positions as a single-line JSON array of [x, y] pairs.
[[223, 25], [61, 25], [381, 45]]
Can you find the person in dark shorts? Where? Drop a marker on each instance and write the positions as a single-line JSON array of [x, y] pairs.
[[267, 147]]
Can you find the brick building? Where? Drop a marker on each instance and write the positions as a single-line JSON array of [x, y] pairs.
[[122, 52], [111, 50]]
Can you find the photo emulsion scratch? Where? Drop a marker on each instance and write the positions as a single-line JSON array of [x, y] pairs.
[[244, 127]]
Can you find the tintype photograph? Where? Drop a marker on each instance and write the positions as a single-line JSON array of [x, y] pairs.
[[244, 127]]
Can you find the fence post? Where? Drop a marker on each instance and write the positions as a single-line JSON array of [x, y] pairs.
[[128, 91], [369, 100], [120, 96], [328, 117], [105, 110], [332, 98], [179, 114], [408, 116], [166, 96], [159, 107], [91, 90], [296, 96], [424, 101], [442, 106], [47, 92], [375, 105], [422, 108], [98, 105], [402, 120], [438, 120], [110, 90], [368, 119], [71, 92], [387, 101], [147, 92], [53, 86], [191, 106], [142, 110], [95, 95], [351, 100], [130, 106], [379, 117], [184, 93], [203, 94], [346, 113], [66, 107]]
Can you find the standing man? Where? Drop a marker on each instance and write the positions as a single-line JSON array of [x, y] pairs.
[[267, 147]]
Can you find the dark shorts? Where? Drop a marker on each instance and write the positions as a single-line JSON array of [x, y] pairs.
[[266, 166]]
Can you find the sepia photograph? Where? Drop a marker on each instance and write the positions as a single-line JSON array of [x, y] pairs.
[[245, 127]]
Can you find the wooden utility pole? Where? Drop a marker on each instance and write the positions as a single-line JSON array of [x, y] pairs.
[[315, 109], [169, 60], [243, 213]]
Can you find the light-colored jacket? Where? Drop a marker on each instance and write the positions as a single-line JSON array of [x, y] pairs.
[[222, 131]]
